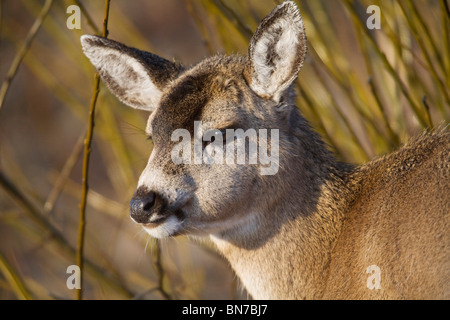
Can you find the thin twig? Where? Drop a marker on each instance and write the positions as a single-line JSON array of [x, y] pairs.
[[63, 176], [199, 22], [446, 41], [233, 18], [335, 105], [419, 38], [23, 50], [427, 112], [54, 234], [157, 261], [89, 19], [14, 280], [447, 9], [344, 84], [18, 196], [87, 153], [362, 28], [319, 122], [1, 18], [426, 31], [395, 140]]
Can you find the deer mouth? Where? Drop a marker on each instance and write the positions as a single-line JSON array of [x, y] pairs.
[[167, 226], [155, 223]]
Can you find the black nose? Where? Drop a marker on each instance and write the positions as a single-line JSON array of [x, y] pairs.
[[141, 206]]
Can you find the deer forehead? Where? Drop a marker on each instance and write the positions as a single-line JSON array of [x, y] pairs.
[[213, 92]]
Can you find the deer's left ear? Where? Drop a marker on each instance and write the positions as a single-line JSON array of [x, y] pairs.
[[136, 77], [276, 52]]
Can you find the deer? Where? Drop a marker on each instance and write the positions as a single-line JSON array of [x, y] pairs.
[[316, 228]]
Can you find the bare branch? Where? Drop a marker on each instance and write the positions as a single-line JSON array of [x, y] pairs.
[[23, 51], [87, 153]]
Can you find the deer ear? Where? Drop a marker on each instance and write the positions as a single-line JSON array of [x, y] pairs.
[[276, 52], [136, 77]]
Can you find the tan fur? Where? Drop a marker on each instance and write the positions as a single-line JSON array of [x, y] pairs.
[[311, 230]]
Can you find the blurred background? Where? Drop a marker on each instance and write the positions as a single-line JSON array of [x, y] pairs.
[[366, 91]]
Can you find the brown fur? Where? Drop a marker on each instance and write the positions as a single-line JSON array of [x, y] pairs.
[[312, 229]]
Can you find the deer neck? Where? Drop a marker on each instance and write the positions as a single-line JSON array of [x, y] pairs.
[[282, 248]]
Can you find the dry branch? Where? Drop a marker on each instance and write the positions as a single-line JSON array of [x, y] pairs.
[[23, 51], [87, 153]]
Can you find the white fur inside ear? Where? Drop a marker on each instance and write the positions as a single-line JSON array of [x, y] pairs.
[[275, 55], [126, 77]]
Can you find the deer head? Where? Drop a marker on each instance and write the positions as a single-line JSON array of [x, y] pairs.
[[220, 102]]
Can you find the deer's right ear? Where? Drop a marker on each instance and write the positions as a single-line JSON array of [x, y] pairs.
[[276, 52], [136, 77]]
